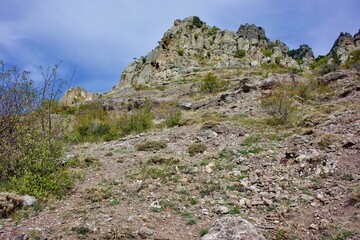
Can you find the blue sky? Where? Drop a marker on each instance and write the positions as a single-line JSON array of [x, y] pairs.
[[100, 38]]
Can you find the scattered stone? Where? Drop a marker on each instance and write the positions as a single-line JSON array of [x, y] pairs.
[[209, 168], [155, 205], [306, 197], [145, 232], [314, 226], [221, 210], [268, 201], [29, 200], [232, 228]]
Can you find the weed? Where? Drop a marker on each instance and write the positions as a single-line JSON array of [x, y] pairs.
[[151, 145], [250, 140], [348, 177], [196, 148], [240, 53], [328, 139], [81, 230], [235, 210], [191, 221], [203, 232]]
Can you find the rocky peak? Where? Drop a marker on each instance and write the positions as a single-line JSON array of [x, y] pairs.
[[304, 54], [344, 45], [252, 33], [191, 46]]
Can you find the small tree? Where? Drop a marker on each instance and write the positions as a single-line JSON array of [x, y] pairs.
[[279, 103]]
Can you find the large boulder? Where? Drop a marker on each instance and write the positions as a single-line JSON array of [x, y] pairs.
[[232, 228]]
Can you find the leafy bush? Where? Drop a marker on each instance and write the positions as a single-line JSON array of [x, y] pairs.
[[196, 148], [197, 22], [240, 53], [30, 140], [267, 52], [211, 84]]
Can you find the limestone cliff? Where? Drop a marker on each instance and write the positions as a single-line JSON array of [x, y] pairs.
[[191, 46]]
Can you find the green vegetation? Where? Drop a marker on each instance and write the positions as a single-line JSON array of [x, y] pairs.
[[279, 104], [354, 58], [203, 232], [196, 148], [328, 139], [151, 145], [212, 31], [181, 52], [267, 52], [197, 22], [93, 123], [322, 65], [31, 149], [211, 84], [240, 53], [173, 119]]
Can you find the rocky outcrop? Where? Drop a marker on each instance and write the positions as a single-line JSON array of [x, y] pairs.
[[303, 54], [234, 228], [76, 95], [343, 46], [190, 46]]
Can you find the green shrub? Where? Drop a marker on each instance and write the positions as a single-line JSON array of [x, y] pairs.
[[173, 119], [211, 84], [280, 104], [196, 148], [322, 66], [240, 53], [181, 52], [136, 122], [151, 145], [267, 52], [197, 22], [277, 60], [212, 31], [354, 58]]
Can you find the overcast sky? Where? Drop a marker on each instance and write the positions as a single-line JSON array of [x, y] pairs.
[[100, 38]]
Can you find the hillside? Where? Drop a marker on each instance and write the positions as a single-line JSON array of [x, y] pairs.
[[241, 126]]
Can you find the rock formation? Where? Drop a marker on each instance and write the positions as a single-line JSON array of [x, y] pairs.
[[344, 45], [192, 46], [77, 95], [232, 228]]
